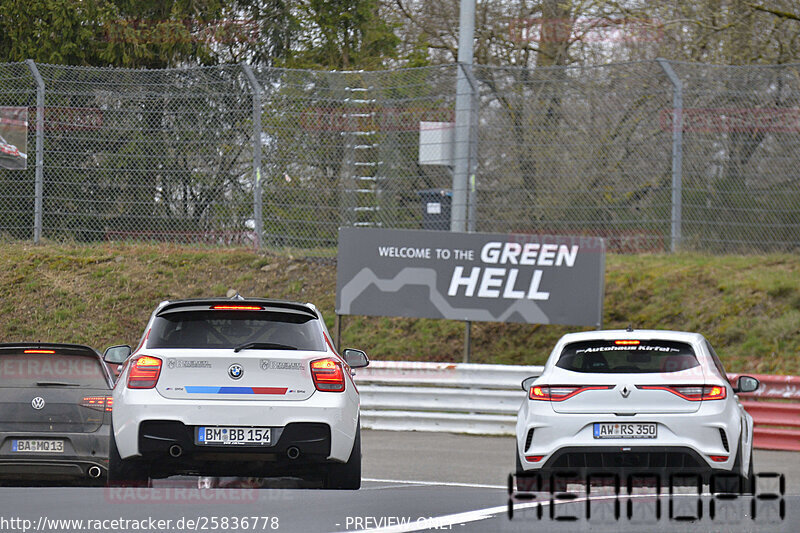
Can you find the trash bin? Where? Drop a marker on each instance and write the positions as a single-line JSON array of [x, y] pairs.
[[436, 208]]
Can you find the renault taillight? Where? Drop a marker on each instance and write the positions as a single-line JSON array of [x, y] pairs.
[[559, 393], [693, 393]]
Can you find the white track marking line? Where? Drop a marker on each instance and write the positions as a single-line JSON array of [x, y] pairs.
[[444, 521], [437, 483]]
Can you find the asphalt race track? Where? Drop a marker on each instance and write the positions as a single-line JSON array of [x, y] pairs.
[[412, 482]]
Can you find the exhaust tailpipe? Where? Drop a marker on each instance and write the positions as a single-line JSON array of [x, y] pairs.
[[175, 451], [94, 472], [293, 452]]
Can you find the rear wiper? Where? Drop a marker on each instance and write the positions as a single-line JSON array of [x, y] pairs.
[[263, 346], [56, 384]]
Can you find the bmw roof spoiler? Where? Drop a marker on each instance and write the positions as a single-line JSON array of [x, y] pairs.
[[266, 304]]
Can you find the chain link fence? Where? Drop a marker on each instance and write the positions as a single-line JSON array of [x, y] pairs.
[[653, 156]]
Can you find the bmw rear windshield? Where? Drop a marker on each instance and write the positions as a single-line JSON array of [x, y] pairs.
[[228, 329], [627, 356]]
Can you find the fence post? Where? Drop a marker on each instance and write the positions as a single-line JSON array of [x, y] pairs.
[[38, 194], [677, 151], [461, 148], [257, 203], [472, 167]]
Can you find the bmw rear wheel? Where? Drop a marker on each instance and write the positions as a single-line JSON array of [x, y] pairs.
[[347, 475], [125, 472]]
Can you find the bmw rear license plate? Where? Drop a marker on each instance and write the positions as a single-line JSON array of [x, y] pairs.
[[627, 430], [37, 446], [233, 436]]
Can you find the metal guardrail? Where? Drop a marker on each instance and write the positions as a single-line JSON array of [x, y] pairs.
[[484, 399], [775, 408], [458, 398]]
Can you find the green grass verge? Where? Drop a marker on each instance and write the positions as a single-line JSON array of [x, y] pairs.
[[747, 306]]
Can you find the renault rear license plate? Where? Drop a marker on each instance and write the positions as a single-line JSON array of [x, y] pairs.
[[37, 446], [627, 430], [233, 436]]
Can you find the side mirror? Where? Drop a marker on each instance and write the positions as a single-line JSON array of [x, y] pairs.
[[746, 384], [355, 358], [117, 355], [527, 382]]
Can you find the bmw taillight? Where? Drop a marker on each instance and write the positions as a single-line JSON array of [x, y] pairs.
[[692, 393], [98, 403], [144, 372], [328, 375], [559, 393]]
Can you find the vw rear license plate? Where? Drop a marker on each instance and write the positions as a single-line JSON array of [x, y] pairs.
[[36, 445], [233, 436], [628, 430]]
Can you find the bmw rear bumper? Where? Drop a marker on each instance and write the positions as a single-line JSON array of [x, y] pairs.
[[136, 410], [298, 447]]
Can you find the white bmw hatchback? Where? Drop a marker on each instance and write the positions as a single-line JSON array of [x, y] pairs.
[[245, 387], [633, 402]]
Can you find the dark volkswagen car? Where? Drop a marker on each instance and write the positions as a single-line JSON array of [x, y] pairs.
[[55, 414]]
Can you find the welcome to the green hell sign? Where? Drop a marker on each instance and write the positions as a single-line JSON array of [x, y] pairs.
[[470, 276]]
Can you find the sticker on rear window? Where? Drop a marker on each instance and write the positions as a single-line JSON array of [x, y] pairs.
[[606, 356]]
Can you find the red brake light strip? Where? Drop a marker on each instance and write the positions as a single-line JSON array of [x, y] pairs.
[[707, 392], [237, 307], [544, 392]]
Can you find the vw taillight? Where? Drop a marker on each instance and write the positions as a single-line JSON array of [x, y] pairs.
[[693, 393], [98, 403], [559, 393], [328, 375], [144, 372]]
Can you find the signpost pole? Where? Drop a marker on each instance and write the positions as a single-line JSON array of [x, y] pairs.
[[339, 332], [467, 340]]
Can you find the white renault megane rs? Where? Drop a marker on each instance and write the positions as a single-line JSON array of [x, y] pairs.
[[633, 402], [245, 387]]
